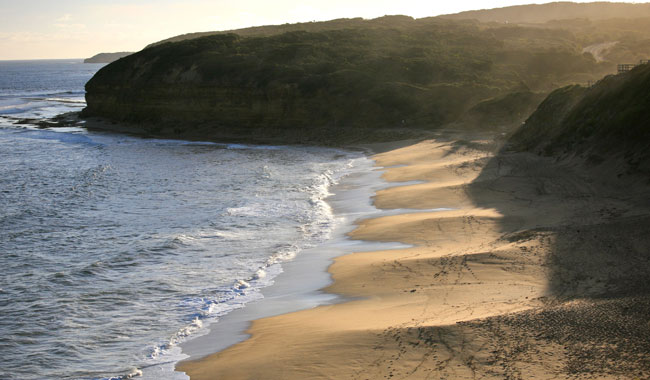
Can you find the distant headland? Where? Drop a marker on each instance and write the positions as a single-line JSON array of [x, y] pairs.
[[107, 57]]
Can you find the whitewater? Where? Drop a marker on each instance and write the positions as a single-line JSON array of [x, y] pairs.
[[116, 249]]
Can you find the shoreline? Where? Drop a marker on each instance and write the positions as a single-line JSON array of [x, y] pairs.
[[356, 245], [142, 130], [281, 297], [465, 300], [300, 284]]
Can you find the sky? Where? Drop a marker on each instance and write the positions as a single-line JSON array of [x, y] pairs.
[[52, 29]]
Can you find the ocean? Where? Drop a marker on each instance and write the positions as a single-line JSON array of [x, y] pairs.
[[116, 249]]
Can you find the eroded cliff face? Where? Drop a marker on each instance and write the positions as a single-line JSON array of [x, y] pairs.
[[190, 110], [185, 103]]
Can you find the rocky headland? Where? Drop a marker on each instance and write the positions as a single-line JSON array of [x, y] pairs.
[[341, 81], [107, 57]]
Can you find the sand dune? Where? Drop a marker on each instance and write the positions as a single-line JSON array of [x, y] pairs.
[[540, 271]]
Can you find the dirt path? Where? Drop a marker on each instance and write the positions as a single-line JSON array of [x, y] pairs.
[[598, 51]]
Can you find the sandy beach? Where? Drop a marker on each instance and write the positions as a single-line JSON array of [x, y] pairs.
[[535, 269]]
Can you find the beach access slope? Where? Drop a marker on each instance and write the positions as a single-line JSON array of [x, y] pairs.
[[540, 270]]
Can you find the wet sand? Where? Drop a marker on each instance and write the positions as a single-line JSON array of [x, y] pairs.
[[540, 271]]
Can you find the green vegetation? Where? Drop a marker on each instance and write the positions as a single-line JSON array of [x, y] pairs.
[[564, 10], [506, 110], [612, 117], [353, 79]]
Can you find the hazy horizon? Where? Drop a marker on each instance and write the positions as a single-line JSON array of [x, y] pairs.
[[75, 29]]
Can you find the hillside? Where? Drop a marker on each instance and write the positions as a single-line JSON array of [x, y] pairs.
[[598, 18], [615, 32], [542, 13], [389, 73], [612, 32], [106, 57], [270, 30], [612, 118]]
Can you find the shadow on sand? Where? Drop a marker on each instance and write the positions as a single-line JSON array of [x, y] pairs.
[[589, 229]]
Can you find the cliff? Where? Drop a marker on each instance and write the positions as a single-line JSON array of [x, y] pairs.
[[106, 57], [393, 73], [609, 119]]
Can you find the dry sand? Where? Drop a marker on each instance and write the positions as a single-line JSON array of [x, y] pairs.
[[542, 271]]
